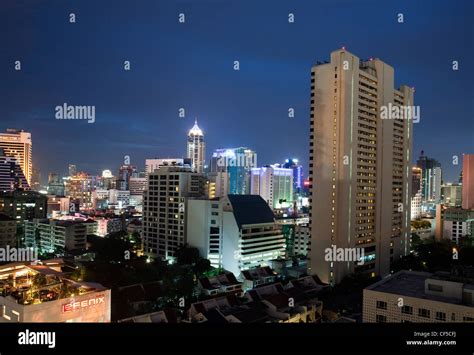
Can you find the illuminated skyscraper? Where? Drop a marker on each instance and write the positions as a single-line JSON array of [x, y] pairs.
[[237, 162], [297, 174], [359, 167], [431, 178], [196, 148], [17, 144]]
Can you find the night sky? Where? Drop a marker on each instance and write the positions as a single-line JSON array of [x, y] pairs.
[[190, 65]]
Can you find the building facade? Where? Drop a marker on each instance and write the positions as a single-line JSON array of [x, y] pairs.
[[418, 297], [7, 231], [274, 185], [57, 236], [360, 171], [451, 195], [79, 188], [55, 185], [11, 174], [165, 209], [297, 174], [237, 232], [17, 144], [237, 163], [57, 299], [431, 178], [23, 205], [468, 181]]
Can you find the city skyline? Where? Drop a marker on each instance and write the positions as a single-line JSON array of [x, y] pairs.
[[198, 163], [137, 111]]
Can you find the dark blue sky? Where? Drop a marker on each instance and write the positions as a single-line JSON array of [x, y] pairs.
[[191, 65]]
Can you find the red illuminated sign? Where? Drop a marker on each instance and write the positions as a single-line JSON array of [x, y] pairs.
[[306, 183], [74, 306]]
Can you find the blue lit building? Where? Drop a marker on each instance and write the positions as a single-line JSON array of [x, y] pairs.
[[237, 162], [297, 174]]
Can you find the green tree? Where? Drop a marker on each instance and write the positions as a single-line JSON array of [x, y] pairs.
[[187, 255]]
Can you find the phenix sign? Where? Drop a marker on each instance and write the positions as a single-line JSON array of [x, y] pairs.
[[74, 306]]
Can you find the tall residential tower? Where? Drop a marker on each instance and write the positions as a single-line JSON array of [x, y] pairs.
[[359, 169]]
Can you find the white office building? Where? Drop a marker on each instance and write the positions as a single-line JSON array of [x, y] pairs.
[[237, 232]]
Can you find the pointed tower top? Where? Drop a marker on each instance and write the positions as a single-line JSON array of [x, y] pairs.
[[195, 131]]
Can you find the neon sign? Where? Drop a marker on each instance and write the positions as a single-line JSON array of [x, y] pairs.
[[74, 306]]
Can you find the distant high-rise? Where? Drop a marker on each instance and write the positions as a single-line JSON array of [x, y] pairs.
[[297, 174], [416, 197], [72, 169], [431, 178], [237, 162], [360, 171], [17, 144], [468, 181], [36, 179], [126, 171], [79, 189], [416, 180], [55, 185], [196, 148], [274, 185]]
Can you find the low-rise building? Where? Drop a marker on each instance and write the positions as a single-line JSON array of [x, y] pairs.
[[237, 232], [57, 236], [259, 276], [106, 226], [38, 293], [23, 205], [221, 284], [267, 304], [410, 296], [58, 206]]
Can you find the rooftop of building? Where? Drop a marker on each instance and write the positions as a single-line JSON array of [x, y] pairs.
[[195, 131], [258, 273], [215, 282], [35, 283], [166, 316], [412, 284], [63, 223], [250, 209]]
